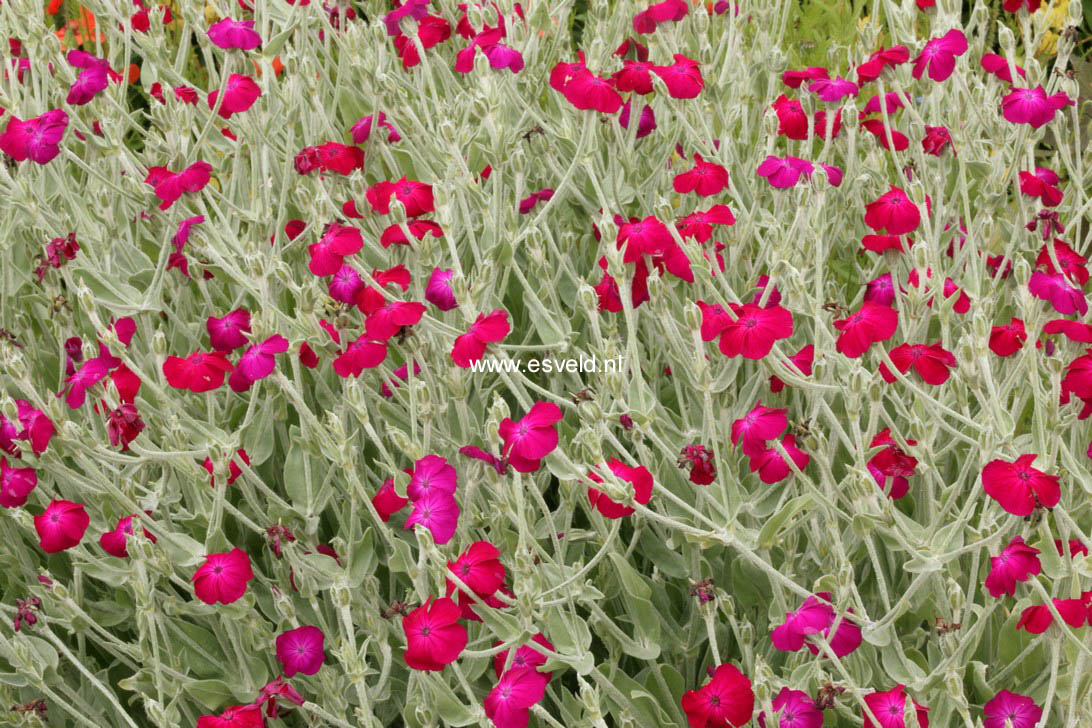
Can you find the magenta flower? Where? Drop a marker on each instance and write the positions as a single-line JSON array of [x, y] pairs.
[[646, 123], [639, 477], [434, 636], [881, 290], [526, 656], [757, 427], [998, 66], [15, 484], [871, 69], [300, 650], [932, 362], [258, 362], [1016, 563], [1010, 710], [182, 236], [271, 691], [401, 373], [1032, 106], [329, 157], [1073, 330], [795, 79], [229, 34], [753, 333], [894, 212], [432, 474], [362, 130], [61, 526], [771, 465], [584, 90], [891, 463], [1018, 487], [704, 179], [813, 617], [833, 90], [237, 716], [387, 502], [665, 11], [37, 427], [115, 542], [784, 172], [532, 438], [438, 512], [935, 140], [889, 103], [487, 329], [239, 95], [508, 704], [871, 324], [795, 709], [699, 225], [1055, 288], [489, 459], [438, 290], [92, 79], [328, 254], [91, 373], [1037, 618], [939, 55], [229, 333], [415, 196], [889, 708], [637, 237], [223, 577], [200, 372], [683, 77], [170, 186], [35, 139], [479, 568], [392, 318], [726, 701]]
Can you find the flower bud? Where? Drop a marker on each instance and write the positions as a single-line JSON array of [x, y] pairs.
[[589, 300], [159, 344], [1076, 14], [770, 124], [1006, 39]]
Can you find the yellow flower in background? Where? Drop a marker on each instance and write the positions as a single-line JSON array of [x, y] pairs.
[[1056, 14]]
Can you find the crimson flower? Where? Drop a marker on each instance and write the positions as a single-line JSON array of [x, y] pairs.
[[1037, 618], [935, 140], [359, 355], [1071, 264], [803, 360], [237, 716], [487, 329], [703, 471], [699, 225], [480, 569], [889, 708], [115, 542], [386, 500], [300, 650], [199, 372], [771, 465], [1010, 710], [794, 79], [704, 179], [1043, 183], [123, 425], [894, 212], [1016, 563], [433, 635], [223, 577], [362, 129], [832, 89], [228, 333], [683, 77], [61, 526], [891, 463], [932, 362], [753, 332], [1018, 487], [588, 92], [329, 157], [1007, 340], [871, 324], [639, 477], [726, 701], [871, 69], [532, 438], [998, 66], [415, 196], [647, 20], [169, 186], [240, 93], [234, 470], [38, 429], [328, 254]]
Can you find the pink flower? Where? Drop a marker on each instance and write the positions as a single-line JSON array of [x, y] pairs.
[[1032, 106], [487, 329], [803, 360], [1037, 618], [362, 129], [795, 709], [229, 34], [889, 708], [300, 650], [1055, 288], [237, 716], [434, 636], [328, 254], [939, 55], [239, 95], [871, 324], [432, 474], [526, 656], [1072, 330], [1018, 487], [646, 123], [932, 362], [1009, 710], [387, 502], [200, 372], [182, 236], [1016, 563], [415, 196], [699, 225], [757, 427], [871, 69], [794, 79], [223, 577], [35, 139], [894, 212], [891, 463], [639, 477], [753, 333], [1042, 184], [705, 179], [935, 140], [771, 465], [1007, 340], [438, 512], [881, 290], [258, 362], [61, 526], [508, 704], [15, 484], [91, 80], [115, 542], [532, 438], [489, 459], [170, 186], [813, 617], [329, 157], [359, 355], [228, 333], [998, 66], [438, 290], [727, 700], [783, 173], [91, 373]]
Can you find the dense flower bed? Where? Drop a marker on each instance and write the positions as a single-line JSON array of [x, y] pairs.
[[254, 470]]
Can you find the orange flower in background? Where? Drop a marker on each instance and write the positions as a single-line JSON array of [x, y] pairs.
[[278, 66], [83, 28], [54, 6]]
